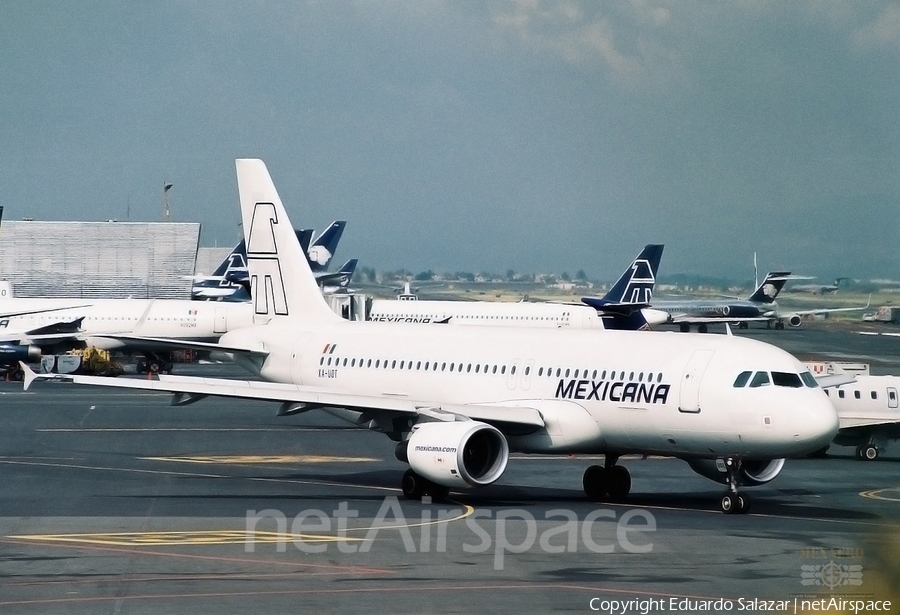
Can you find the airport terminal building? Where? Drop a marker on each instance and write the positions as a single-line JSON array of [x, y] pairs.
[[142, 260]]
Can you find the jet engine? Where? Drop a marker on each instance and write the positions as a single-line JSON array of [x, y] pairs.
[[795, 320], [757, 472], [456, 455], [11, 353]]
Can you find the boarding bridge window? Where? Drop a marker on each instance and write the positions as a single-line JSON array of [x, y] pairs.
[[809, 380], [787, 379], [760, 379], [742, 379]]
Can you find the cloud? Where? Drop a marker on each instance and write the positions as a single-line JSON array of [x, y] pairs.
[[881, 33]]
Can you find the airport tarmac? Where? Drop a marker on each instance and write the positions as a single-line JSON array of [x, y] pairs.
[[113, 501]]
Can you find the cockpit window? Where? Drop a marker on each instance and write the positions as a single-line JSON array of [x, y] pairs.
[[787, 379], [760, 379], [742, 379], [809, 380]]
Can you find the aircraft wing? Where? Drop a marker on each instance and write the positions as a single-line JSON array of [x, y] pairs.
[[188, 389], [164, 344], [828, 310], [853, 423], [835, 380], [685, 318]]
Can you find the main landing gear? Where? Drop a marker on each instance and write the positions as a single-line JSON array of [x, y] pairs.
[[867, 452], [608, 481], [733, 502], [416, 487]]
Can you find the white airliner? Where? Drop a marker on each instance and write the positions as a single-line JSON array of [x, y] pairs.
[[459, 399], [626, 306], [869, 412], [29, 326]]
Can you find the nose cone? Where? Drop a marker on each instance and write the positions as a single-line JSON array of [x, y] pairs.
[[815, 424]]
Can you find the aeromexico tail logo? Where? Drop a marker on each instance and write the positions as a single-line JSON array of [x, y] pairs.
[[640, 286], [613, 390], [266, 281]]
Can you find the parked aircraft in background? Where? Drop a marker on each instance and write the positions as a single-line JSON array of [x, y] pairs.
[[459, 399], [759, 307], [869, 413], [31, 327], [625, 306], [229, 281], [817, 289]]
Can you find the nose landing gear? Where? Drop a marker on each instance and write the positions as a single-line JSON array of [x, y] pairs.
[[733, 502]]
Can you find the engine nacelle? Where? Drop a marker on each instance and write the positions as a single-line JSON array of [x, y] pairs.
[[758, 472], [795, 321], [460, 454], [12, 353]]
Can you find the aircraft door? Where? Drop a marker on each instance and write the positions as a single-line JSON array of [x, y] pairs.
[[512, 375], [526, 374], [297, 355], [892, 397], [689, 391], [220, 319]]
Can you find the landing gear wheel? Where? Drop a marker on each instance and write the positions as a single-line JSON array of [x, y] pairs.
[[684, 327], [619, 482], [743, 325], [867, 452], [732, 504], [595, 483], [412, 485], [702, 329], [779, 325], [153, 367]]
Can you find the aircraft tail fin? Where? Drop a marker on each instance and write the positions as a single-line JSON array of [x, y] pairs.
[[282, 284], [634, 288], [771, 285], [324, 246], [304, 236]]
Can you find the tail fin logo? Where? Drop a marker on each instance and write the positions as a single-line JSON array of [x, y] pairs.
[[266, 280], [640, 285]]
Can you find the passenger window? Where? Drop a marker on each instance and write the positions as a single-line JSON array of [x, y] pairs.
[[512, 370], [595, 375], [527, 370], [760, 379], [742, 379], [540, 371], [874, 395], [786, 379], [841, 394], [856, 394]]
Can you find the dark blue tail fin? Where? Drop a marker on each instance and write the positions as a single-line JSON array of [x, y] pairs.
[[319, 255], [634, 288], [770, 287], [304, 236]]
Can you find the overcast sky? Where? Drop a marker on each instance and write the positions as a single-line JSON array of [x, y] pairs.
[[454, 135]]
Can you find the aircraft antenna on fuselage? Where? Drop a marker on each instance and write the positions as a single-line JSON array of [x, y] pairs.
[[282, 284]]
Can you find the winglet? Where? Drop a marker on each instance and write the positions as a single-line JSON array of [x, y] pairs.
[[31, 375]]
